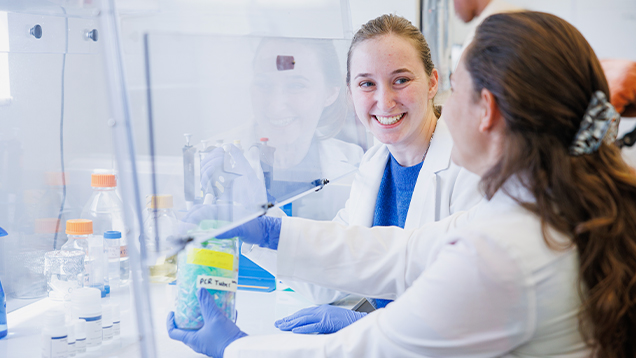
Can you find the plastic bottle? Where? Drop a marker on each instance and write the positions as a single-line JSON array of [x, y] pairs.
[[116, 320], [3, 302], [160, 226], [79, 232], [72, 350], [80, 335], [54, 335], [107, 324], [112, 251], [105, 208], [86, 306]]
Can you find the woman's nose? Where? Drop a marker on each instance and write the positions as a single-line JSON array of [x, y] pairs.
[[385, 98]]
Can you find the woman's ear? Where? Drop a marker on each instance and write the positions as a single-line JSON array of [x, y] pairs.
[[489, 115], [331, 98], [433, 84]]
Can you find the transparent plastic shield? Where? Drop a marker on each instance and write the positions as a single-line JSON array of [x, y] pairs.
[[258, 121]]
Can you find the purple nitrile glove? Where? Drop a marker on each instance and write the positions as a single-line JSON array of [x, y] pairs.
[[215, 335], [319, 319], [263, 231]]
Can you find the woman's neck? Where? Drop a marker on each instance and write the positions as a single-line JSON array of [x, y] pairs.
[[411, 153]]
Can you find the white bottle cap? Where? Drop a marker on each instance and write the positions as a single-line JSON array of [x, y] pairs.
[[54, 319], [86, 302], [70, 329], [80, 328], [107, 316]]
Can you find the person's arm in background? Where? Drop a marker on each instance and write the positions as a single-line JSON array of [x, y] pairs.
[[621, 78]]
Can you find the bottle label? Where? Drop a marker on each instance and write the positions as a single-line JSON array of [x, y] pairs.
[[216, 283], [93, 331], [116, 329], [123, 251], [113, 252], [55, 347], [205, 257], [107, 333], [80, 345]]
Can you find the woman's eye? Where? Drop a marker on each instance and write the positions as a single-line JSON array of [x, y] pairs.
[[366, 84], [401, 81]]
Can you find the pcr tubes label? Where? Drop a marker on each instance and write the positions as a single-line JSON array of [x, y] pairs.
[[216, 283]]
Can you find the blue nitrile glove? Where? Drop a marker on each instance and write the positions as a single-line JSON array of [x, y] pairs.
[[216, 334], [263, 231], [320, 319]]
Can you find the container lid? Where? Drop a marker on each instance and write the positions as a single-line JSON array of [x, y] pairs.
[[80, 328], [112, 235], [47, 226], [107, 315], [159, 201], [116, 312], [54, 318], [79, 227], [103, 180], [87, 298]]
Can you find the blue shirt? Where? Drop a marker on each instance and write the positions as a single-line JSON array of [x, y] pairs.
[[394, 199]]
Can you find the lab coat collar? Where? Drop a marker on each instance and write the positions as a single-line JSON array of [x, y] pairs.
[[438, 157]]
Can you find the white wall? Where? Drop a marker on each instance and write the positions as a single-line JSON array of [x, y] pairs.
[[609, 25]]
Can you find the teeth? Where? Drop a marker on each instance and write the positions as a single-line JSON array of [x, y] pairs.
[[389, 120], [281, 122]]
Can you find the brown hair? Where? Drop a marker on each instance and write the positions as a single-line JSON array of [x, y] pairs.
[[390, 24], [542, 73]]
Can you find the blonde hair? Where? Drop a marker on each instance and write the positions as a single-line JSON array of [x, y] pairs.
[[390, 24]]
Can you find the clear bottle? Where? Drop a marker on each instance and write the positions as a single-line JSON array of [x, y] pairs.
[[160, 226], [112, 252], [79, 232], [105, 208]]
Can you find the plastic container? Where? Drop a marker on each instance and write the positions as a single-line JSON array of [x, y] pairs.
[[3, 302], [107, 324], [79, 232], [86, 305], [106, 210], [116, 320], [72, 350], [80, 335], [214, 266], [160, 226], [54, 335], [112, 252]]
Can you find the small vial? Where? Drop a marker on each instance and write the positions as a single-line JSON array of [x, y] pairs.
[[112, 250], [86, 303], [72, 350], [54, 336], [107, 324], [80, 335], [116, 320]]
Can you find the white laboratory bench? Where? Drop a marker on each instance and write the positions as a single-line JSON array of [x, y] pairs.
[[257, 312]]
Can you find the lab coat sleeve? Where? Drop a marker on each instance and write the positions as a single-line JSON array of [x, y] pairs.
[[473, 300], [369, 262]]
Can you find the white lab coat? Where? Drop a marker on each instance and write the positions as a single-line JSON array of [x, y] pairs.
[[481, 283], [442, 189]]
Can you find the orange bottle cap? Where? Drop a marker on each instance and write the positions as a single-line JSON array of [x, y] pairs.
[[79, 227], [103, 180]]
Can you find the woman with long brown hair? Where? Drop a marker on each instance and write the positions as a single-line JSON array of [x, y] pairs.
[[545, 267]]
